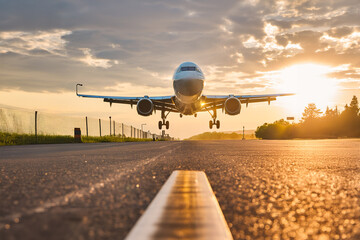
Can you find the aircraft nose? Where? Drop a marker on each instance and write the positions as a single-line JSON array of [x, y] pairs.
[[189, 87]]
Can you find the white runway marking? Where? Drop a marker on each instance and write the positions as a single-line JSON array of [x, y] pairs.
[[72, 196], [184, 208]]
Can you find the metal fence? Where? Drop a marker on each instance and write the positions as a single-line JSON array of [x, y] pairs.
[[24, 121]]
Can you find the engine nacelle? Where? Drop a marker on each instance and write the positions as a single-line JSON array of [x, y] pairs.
[[145, 107], [232, 106]]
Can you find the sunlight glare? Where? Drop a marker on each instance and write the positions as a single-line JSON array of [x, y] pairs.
[[310, 84]]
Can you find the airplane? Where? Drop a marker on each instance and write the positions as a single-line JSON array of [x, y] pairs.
[[188, 84]]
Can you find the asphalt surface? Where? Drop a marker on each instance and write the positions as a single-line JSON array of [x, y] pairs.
[[300, 189]]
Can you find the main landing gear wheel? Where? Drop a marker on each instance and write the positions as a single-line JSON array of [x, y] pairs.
[[164, 122], [214, 121]]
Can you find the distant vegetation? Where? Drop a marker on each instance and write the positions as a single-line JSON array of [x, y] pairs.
[[220, 136], [315, 124], [21, 139]]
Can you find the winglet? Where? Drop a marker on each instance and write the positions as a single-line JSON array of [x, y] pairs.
[[79, 84]]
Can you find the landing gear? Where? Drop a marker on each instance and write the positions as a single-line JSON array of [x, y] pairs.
[[214, 121], [164, 122]]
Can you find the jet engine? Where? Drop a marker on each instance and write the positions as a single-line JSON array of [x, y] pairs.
[[145, 107], [232, 106]]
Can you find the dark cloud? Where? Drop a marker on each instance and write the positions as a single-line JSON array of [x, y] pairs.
[[308, 40], [39, 52], [339, 32]]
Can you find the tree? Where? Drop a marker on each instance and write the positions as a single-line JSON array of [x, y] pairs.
[[280, 129], [353, 109], [350, 119], [311, 112], [331, 113]]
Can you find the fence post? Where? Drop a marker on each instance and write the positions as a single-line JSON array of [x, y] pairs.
[[87, 129], [100, 126], [110, 124], [122, 130], [114, 129], [131, 131], [36, 126]]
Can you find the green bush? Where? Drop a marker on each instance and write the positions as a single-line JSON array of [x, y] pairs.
[[220, 136], [21, 139], [331, 124]]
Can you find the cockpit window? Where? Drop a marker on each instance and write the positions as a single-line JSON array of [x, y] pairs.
[[189, 69]]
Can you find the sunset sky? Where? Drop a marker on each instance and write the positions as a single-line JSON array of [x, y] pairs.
[[131, 48]]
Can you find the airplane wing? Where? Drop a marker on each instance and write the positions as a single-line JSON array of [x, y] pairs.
[[160, 102], [217, 101]]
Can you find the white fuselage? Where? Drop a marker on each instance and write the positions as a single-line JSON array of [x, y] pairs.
[[188, 82]]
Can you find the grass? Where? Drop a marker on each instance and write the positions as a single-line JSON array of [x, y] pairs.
[[112, 139], [22, 139], [221, 136]]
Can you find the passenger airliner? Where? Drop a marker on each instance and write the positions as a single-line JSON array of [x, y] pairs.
[[188, 83]]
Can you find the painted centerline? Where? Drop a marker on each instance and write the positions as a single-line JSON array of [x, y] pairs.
[[185, 207]]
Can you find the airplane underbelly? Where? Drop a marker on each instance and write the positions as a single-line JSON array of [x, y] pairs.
[[188, 108]]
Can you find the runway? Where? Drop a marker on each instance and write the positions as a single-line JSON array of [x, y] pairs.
[[294, 189]]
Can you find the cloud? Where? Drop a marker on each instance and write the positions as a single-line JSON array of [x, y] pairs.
[[270, 47], [28, 43], [141, 42], [96, 62], [341, 44]]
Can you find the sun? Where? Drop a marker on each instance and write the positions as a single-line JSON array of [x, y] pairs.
[[310, 83]]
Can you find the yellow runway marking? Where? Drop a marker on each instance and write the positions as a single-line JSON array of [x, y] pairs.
[[184, 208]]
